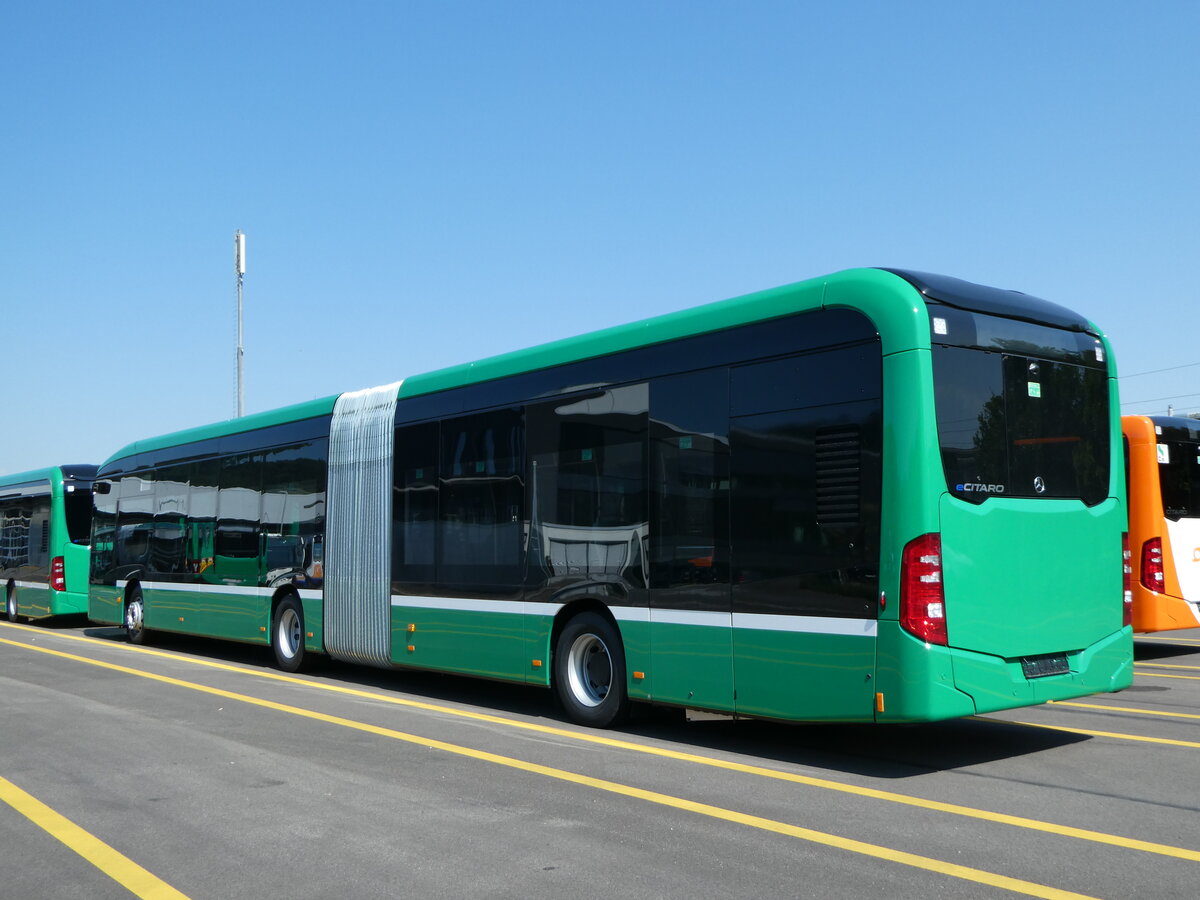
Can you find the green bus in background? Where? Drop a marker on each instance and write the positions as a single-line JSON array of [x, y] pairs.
[[45, 518], [881, 495]]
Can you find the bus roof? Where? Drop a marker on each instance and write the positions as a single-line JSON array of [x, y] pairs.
[[53, 474], [993, 301], [885, 295], [1179, 428]]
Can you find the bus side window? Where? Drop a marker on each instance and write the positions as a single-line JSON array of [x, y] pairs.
[[239, 508], [482, 500], [415, 505], [167, 550]]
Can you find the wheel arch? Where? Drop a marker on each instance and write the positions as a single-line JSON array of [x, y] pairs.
[[570, 611], [129, 586], [283, 592]]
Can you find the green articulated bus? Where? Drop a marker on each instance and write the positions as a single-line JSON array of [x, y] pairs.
[[45, 517], [876, 496]]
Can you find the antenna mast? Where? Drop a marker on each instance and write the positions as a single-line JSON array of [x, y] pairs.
[[239, 268]]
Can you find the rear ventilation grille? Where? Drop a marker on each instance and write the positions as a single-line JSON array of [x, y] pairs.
[[839, 476]]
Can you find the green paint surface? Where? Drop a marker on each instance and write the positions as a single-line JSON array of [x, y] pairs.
[[789, 675], [1030, 577], [472, 643], [692, 665]]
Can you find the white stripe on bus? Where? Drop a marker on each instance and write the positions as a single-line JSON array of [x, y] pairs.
[[704, 619], [227, 589], [698, 618]]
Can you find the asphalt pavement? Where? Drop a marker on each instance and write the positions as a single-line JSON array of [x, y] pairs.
[[192, 768]]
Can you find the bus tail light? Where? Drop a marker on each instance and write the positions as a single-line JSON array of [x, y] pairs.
[[1152, 565], [922, 600], [1127, 580], [58, 574]]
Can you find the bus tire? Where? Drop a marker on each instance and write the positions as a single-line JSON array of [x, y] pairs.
[[135, 616], [10, 605], [589, 672], [287, 634]]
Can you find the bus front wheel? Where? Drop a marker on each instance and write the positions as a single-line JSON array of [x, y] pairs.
[[287, 635], [10, 607], [135, 617], [589, 671]]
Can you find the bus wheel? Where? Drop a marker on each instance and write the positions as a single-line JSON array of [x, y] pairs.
[[135, 617], [287, 635], [10, 607], [589, 672]]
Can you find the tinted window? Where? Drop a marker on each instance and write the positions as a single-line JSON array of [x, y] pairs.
[[415, 504], [16, 515], [104, 529], [77, 504], [959, 328], [293, 512], [786, 560], [25, 532], [167, 553], [204, 476], [588, 488], [1021, 426], [775, 337], [1179, 474], [689, 468], [806, 486], [135, 517], [238, 511], [482, 500], [814, 379]]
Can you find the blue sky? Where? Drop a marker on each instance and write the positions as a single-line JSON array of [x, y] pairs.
[[427, 183]]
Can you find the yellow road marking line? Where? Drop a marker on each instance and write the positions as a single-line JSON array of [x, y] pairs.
[[1163, 666], [115, 865], [1167, 640], [1107, 734], [1165, 675], [1126, 709], [941, 867], [712, 762]]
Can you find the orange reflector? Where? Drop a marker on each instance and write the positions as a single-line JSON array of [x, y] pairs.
[[638, 676], [412, 649], [879, 702], [309, 634], [260, 627], [537, 663], [411, 627], [181, 618]]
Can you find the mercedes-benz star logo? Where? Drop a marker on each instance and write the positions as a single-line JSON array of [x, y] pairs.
[[1038, 485]]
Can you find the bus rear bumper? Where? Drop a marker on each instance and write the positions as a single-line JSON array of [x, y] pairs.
[[996, 683], [1163, 612], [63, 603]]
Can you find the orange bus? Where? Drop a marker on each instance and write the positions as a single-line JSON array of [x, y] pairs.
[[1163, 470]]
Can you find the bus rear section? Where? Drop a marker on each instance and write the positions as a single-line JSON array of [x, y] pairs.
[[45, 516], [1016, 586], [1163, 471]]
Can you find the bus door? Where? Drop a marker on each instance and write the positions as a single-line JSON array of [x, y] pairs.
[[804, 506], [234, 607], [691, 638]]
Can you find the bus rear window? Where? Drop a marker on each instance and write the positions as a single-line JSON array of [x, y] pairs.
[[1021, 426], [77, 504], [1179, 474]]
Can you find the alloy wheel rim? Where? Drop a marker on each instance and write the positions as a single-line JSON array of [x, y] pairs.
[[589, 670]]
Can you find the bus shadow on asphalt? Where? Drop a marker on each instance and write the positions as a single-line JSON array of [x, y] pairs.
[[1145, 650], [878, 751]]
